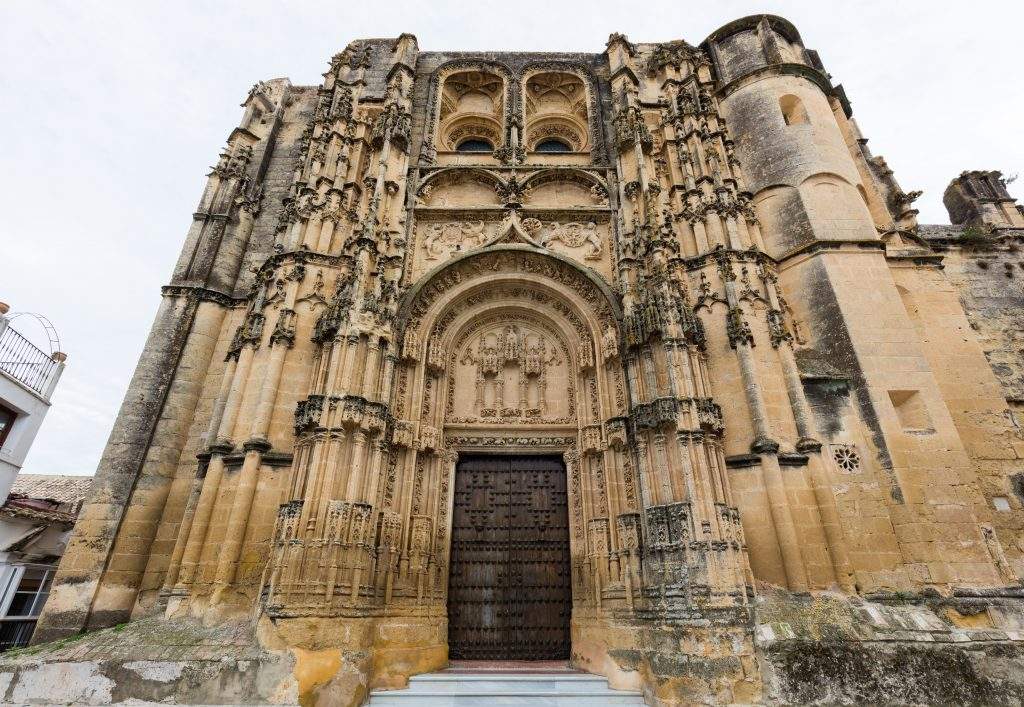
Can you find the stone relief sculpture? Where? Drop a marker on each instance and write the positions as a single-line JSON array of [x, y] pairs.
[[572, 235], [575, 235], [445, 238], [514, 358]]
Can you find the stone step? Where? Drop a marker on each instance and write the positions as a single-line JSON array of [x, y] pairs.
[[537, 689]]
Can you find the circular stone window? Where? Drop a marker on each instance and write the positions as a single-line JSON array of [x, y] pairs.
[[846, 458], [475, 145]]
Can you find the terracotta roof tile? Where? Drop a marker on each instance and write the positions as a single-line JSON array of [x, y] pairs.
[[62, 489]]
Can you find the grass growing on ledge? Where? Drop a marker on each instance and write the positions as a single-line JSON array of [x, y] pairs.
[[974, 238]]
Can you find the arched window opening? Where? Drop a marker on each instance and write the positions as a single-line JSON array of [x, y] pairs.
[[475, 145], [471, 112], [552, 146], [793, 111], [557, 119]]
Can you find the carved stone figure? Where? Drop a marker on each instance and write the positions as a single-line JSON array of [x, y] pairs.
[[444, 238], [510, 343], [575, 235]]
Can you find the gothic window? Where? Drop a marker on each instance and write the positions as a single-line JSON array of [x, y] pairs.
[[475, 145], [793, 111], [472, 112], [557, 119]]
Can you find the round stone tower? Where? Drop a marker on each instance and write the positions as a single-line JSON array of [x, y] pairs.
[[776, 100]]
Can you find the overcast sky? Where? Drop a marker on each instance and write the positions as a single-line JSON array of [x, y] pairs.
[[112, 112]]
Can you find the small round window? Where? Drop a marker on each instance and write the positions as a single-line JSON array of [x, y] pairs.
[[475, 145], [552, 146]]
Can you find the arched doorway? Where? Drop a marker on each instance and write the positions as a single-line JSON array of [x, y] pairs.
[[509, 584], [518, 398]]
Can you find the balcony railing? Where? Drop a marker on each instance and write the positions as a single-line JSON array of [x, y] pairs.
[[23, 361]]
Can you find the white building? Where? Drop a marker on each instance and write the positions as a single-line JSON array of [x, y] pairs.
[[35, 523], [28, 377], [37, 513]]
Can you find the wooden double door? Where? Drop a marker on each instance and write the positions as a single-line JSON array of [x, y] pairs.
[[510, 590]]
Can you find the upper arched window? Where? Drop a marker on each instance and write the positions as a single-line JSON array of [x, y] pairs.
[[475, 145], [793, 111], [556, 113], [552, 146], [472, 106]]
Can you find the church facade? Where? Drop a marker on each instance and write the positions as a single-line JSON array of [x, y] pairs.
[[636, 359]]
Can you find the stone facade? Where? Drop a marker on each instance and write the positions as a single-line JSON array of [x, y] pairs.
[[785, 408]]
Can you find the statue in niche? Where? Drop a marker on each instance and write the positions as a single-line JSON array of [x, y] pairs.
[[489, 374], [533, 358], [488, 353], [610, 343], [494, 355], [510, 344], [533, 381]]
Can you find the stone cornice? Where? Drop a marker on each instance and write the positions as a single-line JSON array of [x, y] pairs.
[[788, 69], [202, 294], [779, 24], [818, 246]]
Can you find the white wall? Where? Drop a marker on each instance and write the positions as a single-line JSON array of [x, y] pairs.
[[31, 407], [31, 410]]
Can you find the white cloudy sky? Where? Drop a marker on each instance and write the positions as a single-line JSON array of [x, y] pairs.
[[111, 112]]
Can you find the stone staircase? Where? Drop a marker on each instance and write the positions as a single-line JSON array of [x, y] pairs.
[[517, 686]]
